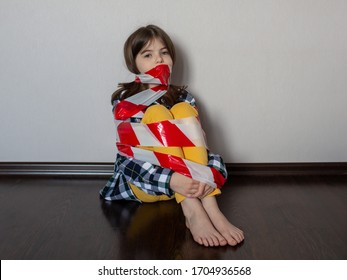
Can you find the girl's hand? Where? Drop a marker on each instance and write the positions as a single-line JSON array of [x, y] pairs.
[[189, 187]]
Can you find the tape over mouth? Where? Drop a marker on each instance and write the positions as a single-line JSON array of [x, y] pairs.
[[160, 75]]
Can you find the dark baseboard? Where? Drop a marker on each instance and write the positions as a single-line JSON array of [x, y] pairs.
[[56, 169], [234, 169], [290, 168]]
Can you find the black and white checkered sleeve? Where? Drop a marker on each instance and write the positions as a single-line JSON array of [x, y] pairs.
[[150, 178], [215, 161]]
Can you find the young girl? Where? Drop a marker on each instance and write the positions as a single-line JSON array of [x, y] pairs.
[[148, 173]]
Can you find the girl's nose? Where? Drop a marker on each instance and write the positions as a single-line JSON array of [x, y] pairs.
[[159, 59]]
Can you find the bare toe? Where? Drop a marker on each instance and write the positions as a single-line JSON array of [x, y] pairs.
[[200, 225], [232, 242], [223, 242]]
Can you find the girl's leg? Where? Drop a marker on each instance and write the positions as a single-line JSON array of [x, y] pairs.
[[156, 113], [199, 224], [196, 154], [197, 219], [206, 222], [232, 234]]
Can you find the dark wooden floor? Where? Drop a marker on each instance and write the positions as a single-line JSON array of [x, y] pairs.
[[283, 217]]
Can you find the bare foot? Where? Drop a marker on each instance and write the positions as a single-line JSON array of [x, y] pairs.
[[232, 234], [200, 225]]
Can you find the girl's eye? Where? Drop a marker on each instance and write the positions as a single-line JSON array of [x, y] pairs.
[[165, 52], [147, 55]]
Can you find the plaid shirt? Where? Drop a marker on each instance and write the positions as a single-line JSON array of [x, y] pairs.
[[151, 179]]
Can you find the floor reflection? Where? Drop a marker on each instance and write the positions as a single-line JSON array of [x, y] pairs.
[[148, 230], [155, 231]]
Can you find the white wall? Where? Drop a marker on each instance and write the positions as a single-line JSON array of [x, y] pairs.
[[270, 76]]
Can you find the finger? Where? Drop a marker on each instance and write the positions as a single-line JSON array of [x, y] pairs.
[[191, 195], [193, 192], [209, 190], [200, 191], [204, 195]]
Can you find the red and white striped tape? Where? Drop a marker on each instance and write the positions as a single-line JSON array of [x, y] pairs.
[[159, 75], [135, 104], [185, 132], [183, 166]]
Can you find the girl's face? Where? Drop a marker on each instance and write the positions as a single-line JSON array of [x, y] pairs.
[[151, 55]]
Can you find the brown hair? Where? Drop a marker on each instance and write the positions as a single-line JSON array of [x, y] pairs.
[[133, 45]]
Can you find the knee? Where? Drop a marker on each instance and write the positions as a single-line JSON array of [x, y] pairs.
[[156, 113], [183, 110]]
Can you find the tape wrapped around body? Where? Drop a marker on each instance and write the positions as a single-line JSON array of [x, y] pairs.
[[185, 132]]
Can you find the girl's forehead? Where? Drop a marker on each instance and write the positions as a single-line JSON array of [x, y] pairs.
[[154, 41]]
